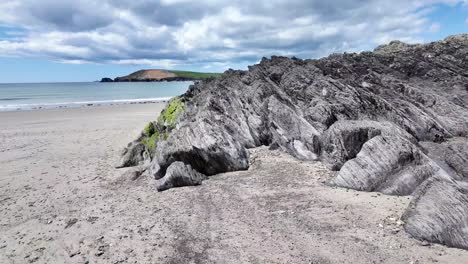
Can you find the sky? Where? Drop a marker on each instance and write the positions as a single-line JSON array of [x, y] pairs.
[[68, 40]]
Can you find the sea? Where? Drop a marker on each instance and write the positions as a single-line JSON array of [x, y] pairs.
[[34, 96]]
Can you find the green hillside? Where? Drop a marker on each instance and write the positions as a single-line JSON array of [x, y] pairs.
[[195, 75]]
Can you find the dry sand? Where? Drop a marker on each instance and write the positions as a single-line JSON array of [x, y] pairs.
[[61, 201]]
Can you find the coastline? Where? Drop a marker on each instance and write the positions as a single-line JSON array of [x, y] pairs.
[[19, 97], [169, 79], [62, 201], [66, 105]]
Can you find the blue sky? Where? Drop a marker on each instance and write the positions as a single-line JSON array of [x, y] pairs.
[[60, 41], [451, 19]]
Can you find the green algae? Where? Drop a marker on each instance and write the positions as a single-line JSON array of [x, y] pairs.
[[149, 129], [155, 132], [170, 114], [150, 142]]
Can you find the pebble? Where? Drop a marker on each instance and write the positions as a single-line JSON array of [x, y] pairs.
[[74, 253], [424, 243], [71, 222]]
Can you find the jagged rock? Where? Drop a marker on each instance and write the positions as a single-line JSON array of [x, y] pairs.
[[365, 114], [456, 156], [291, 132], [133, 155], [154, 170], [179, 175], [344, 139], [290, 104], [451, 155], [205, 149], [387, 164], [439, 213]]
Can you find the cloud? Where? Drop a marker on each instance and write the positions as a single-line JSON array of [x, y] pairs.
[[173, 33], [434, 28]]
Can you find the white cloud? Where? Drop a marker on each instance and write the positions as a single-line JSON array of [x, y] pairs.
[[166, 64], [434, 28], [170, 33]]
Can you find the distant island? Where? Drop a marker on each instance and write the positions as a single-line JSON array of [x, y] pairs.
[[162, 75]]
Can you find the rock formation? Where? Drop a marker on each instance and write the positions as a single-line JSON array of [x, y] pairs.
[[106, 79], [179, 174], [394, 120]]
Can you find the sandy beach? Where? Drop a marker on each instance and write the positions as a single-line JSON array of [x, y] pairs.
[[62, 201]]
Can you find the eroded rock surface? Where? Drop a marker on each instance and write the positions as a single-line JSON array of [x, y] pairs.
[[456, 156], [133, 155], [368, 115], [345, 139], [439, 213], [178, 175], [387, 164]]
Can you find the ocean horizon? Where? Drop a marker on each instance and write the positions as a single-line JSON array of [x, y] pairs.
[[35, 96]]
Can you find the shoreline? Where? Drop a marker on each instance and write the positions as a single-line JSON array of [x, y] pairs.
[[26, 97], [71, 105]]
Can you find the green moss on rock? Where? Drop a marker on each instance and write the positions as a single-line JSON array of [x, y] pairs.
[[172, 111], [150, 142], [155, 132], [149, 129]]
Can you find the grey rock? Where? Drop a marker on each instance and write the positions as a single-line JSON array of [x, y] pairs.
[[380, 118], [451, 155], [289, 104], [179, 175], [388, 164], [291, 132], [154, 170], [439, 213], [205, 149], [456, 156], [344, 139], [129, 176], [424, 243], [133, 155]]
